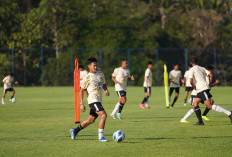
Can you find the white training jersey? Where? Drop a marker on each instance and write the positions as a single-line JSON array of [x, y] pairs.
[[199, 75], [194, 92], [7, 82], [83, 73], [186, 75], [148, 74], [175, 76], [121, 75], [93, 82]]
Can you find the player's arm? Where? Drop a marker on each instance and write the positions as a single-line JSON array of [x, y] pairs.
[[215, 83], [146, 80], [107, 93], [131, 78], [81, 99], [114, 79], [191, 82], [114, 76]]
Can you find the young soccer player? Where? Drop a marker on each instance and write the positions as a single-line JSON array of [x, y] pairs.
[[188, 86], [83, 73], [7, 81], [120, 77], [198, 79], [210, 81], [94, 82], [147, 85], [174, 79]]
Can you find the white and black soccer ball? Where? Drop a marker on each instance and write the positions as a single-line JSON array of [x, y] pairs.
[[118, 136], [13, 100]]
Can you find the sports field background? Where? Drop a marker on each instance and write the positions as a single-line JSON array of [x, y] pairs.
[[38, 124]]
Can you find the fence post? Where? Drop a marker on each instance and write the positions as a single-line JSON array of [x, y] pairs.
[[71, 66], [129, 63], [42, 65], [100, 58], [12, 60], [215, 63], [157, 66], [186, 59]]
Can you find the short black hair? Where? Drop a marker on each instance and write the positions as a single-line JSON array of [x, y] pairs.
[[80, 66], [149, 62], [175, 64], [91, 60], [11, 74], [209, 67], [123, 59], [194, 60]]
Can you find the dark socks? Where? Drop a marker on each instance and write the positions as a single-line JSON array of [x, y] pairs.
[[198, 114], [185, 101], [12, 97], [120, 108], [145, 99], [79, 128], [174, 101], [206, 111]]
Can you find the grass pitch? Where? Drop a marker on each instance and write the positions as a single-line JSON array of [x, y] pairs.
[[38, 124]]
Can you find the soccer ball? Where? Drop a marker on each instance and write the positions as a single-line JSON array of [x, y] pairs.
[[13, 100], [118, 136]]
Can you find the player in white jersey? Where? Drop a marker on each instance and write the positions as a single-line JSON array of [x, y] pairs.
[[188, 86], [83, 73], [7, 81], [94, 82], [174, 79], [198, 79], [147, 85], [120, 77], [209, 80]]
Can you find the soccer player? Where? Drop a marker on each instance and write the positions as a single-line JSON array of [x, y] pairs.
[[83, 73], [210, 81], [7, 81], [174, 79], [120, 77], [188, 86], [94, 82], [198, 79], [147, 85]]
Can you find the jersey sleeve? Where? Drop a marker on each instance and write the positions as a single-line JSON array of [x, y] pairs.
[[170, 75], [4, 80], [207, 72], [147, 72], [185, 74], [84, 84], [115, 72], [103, 79], [190, 74]]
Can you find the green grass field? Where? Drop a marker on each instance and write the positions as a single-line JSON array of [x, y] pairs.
[[38, 124]]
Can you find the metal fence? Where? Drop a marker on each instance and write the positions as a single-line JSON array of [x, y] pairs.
[[44, 67]]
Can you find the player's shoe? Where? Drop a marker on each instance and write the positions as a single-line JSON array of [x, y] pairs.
[[184, 121], [230, 116], [3, 102], [205, 118], [148, 107], [113, 115], [73, 136], [119, 115], [199, 123], [184, 104], [171, 107], [142, 105], [103, 139]]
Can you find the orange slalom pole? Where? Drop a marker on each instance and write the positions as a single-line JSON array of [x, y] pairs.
[[76, 92]]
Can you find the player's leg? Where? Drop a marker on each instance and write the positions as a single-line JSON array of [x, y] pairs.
[[197, 111], [13, 93], [206, 112], [3, 96], [122, 102], [101, 125], [186, 96], [189, 113], [177, 90], [84, 124], [170, 94], [145, 99]]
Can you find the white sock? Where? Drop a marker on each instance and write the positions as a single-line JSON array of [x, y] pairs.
[[2, 99], [220, 109], [116, 108], [188, 114], [147, 104], [100, 133], [169, 99]]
